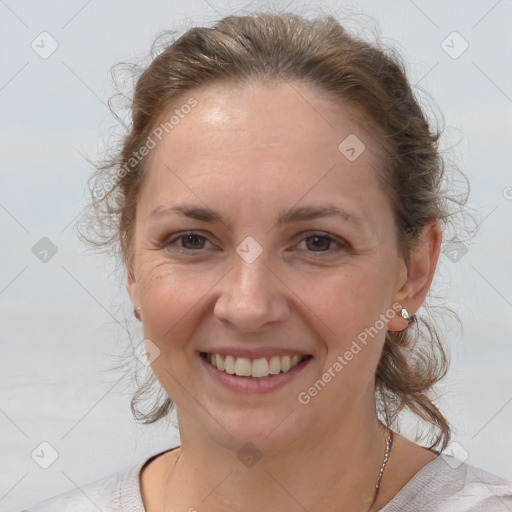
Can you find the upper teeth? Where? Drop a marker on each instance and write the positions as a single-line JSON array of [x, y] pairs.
[[245, 367]]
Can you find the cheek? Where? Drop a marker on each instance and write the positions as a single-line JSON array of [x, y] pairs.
[[346, 300], [347, 309], [171, 301], [171, 297], [347, 316]]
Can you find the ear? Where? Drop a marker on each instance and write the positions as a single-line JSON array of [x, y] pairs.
[[131, 286], [419, 274]]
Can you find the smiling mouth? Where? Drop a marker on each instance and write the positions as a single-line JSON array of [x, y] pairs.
[[262, 367]]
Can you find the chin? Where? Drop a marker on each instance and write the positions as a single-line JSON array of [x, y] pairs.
[[267, 430]]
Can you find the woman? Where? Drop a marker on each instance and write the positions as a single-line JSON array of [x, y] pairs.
[[278, 208]]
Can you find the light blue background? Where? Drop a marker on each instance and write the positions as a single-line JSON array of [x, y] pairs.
[[58, 319]]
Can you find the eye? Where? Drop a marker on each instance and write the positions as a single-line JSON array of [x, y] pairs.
[[185, 242], [321, 242]]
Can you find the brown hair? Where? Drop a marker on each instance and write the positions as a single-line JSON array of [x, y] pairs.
[[267, 47]]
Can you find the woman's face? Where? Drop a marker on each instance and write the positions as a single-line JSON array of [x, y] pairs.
[[231, 259]]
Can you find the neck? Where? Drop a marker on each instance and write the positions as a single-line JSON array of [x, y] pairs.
[[332, 471]]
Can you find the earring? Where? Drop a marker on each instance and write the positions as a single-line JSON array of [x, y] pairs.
[[408, 318], [136, 312]]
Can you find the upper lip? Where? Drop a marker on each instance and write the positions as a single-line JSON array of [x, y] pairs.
[[254, 353]]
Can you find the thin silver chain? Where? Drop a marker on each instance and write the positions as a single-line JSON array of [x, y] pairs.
[[389, 444]]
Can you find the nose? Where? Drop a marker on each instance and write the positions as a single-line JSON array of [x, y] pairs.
[[251, 296]]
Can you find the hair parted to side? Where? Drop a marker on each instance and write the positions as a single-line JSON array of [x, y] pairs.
[[264, 48]]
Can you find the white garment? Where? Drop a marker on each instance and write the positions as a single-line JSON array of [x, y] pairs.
[[443, 485]]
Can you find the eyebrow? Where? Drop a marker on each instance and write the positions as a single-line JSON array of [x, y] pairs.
[[297, 214]]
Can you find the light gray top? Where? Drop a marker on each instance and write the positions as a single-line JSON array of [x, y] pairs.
[[443, 485]]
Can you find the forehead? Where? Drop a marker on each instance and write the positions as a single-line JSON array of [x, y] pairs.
[[281, 113], [258, 139]]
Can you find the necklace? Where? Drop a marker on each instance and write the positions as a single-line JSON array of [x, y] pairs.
[[389, 444]]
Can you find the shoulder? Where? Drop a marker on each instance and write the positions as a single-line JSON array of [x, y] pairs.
[[118, 492], [450, 485]]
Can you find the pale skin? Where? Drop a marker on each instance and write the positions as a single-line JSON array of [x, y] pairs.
[[250, 153]]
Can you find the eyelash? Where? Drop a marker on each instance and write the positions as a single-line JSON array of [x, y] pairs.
[[168, 242]]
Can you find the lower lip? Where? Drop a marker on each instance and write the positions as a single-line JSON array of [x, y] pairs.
[[251, 385]]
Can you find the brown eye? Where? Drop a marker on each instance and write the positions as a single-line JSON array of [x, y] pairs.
[[322, 243], [192, 241], [318, 242], [184, 243]]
